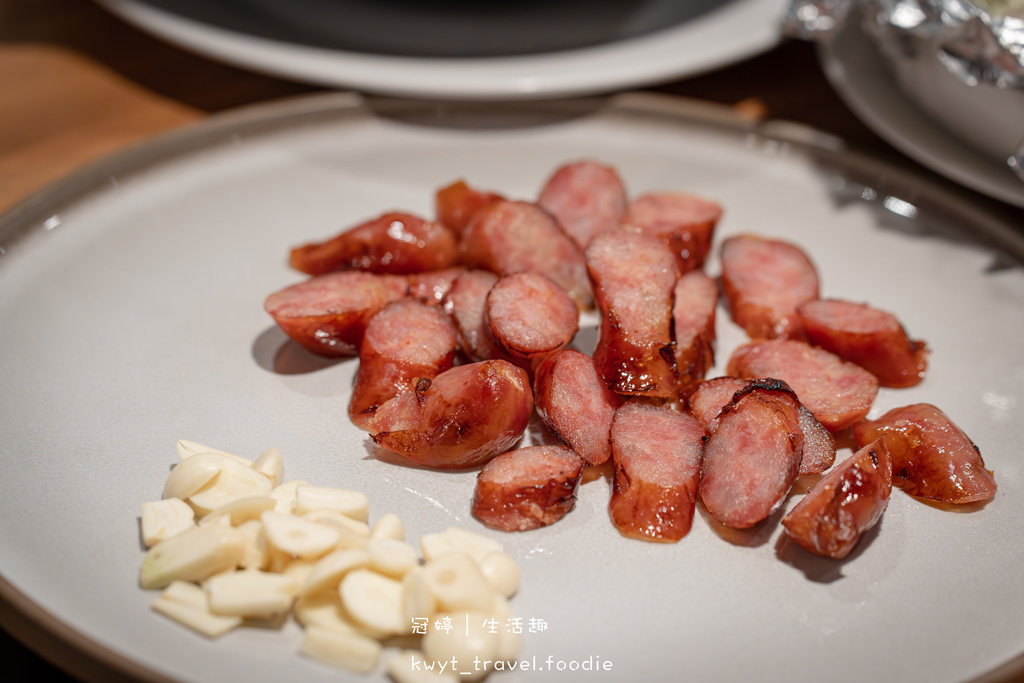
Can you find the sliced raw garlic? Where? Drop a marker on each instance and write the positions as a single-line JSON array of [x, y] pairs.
[[199, 620], [352, 504], [284, 494], [501, 572], [458, 584], [323, 609], [329, 570], [250, 593], [241, 510], [390, 557], [255, 556], [469, 640], [373, 601], [348, 651], [165, 519], [299, 570], [389, 526], [353, 533], [454, 539], [192, 556], [232, 483], [271, 465], [190, 475], [418, 600], [186, 449], [298, 537]]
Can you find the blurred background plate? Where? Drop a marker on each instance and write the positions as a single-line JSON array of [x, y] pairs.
[[452, 49], [856, 68]]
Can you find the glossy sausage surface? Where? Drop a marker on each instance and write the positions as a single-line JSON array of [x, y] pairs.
[[527, 488], [657, 454], [931, 456]]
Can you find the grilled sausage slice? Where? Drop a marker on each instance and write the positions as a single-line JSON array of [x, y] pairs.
[[848, 501], [764, 281], [328, 314], [405, 341], [512, 237], [684, 222], [693, 315], [932, 458], [753, 456], [393, 243], [527, 488], [462, 418], [871, 338], [838, 393], [575, 405], [586, 198], [634, 276], [657, 454]]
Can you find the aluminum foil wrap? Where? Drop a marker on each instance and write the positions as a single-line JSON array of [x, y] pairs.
[[980, 43]]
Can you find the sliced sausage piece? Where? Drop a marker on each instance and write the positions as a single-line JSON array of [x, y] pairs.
[[838, 393], [575, 405], [397, 243], [585, 198], [406, 340], [529, 317], [634, 276], [819, 444], [465, 303], [847, 501], [463, 418], [684, 222], [871, 338], [527, 488], [764, 281], [432, 286], [752, 457], [706, 400], [931, 457], [512, 237], [657, 453], [457, 203], [328, 314], [693, 313]]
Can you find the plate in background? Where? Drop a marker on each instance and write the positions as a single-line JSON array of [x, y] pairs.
[[467, 51], [855, 67], [131, 316]]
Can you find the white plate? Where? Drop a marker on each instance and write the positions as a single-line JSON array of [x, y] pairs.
[[857, 70], [131, 316], [607, 56]]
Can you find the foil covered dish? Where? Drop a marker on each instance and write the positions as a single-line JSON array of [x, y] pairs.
[[961, 62]]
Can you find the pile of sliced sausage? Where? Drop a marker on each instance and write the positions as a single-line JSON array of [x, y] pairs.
[[463, 324]]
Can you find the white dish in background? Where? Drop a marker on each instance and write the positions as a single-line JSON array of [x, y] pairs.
[[131, 315], [349, 43], [857, 70]]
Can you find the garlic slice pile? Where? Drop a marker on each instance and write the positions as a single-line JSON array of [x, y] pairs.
[[230, 544]]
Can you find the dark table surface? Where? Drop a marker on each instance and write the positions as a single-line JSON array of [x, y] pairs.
[[786, 82]]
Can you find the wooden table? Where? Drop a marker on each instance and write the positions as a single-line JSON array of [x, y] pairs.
[[77, 83]]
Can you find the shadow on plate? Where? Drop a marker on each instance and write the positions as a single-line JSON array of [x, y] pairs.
[[753, 537], [821, 569], [483, 115], [275, 352]]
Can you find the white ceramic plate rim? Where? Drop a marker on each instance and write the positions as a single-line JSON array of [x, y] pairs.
[[855, 69], [738, 29]]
